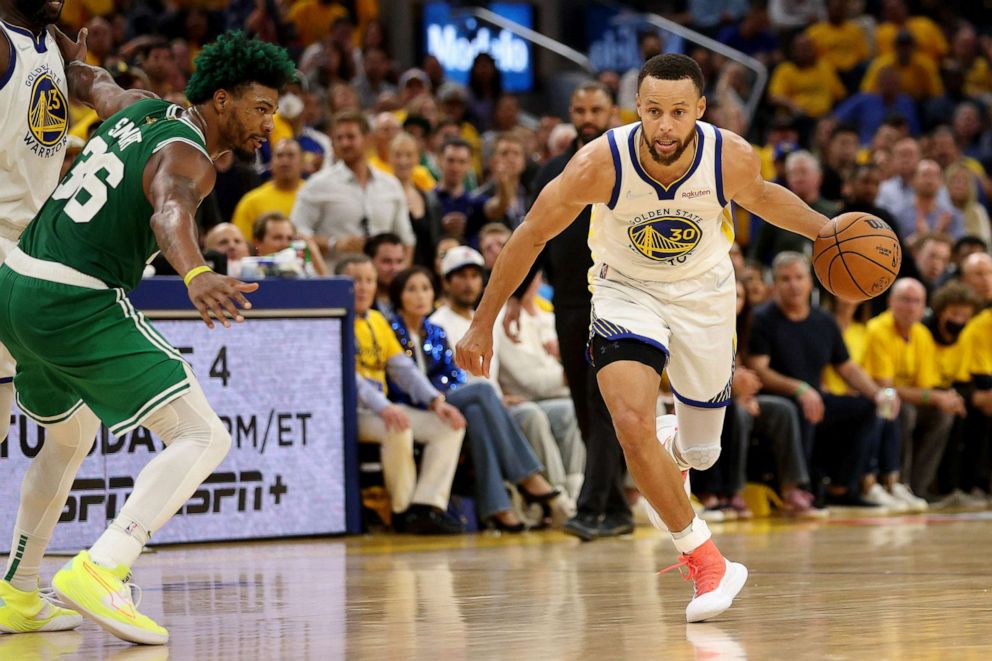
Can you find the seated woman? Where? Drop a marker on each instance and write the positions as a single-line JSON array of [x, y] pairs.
[[498, 449]]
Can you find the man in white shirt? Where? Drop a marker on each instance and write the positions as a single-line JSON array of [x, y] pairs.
[[341, 206]]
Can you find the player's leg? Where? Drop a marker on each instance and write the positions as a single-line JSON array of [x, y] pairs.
[[44, 491], [6, 402], [196, 442]]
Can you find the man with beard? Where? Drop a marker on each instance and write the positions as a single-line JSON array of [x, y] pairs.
[[663, 291], [84, 355]]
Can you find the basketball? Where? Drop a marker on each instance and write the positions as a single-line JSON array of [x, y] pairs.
[[856, 256]]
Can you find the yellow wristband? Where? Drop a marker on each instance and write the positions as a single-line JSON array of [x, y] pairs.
[[193, 272]]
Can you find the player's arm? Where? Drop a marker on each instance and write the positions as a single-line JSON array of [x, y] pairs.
[[92, 86], [587, 179], [743, 183], [176, 180]]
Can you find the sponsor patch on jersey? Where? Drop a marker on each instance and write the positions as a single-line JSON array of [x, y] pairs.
[[48, 112], [663, 238]]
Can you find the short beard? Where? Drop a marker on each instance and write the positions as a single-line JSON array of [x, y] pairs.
[[243, 154], [37, 13], [593, 133], [667, 160]]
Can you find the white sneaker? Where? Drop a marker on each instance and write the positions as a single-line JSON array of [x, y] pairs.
[[913, 502], [877, 495]]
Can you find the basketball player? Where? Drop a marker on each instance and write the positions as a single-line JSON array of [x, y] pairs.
[[85, 355], [663, 291]]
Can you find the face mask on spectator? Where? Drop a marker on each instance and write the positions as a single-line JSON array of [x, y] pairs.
[[953, 328], [290, 106]]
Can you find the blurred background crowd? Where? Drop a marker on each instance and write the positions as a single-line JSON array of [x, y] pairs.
[[417, 137]]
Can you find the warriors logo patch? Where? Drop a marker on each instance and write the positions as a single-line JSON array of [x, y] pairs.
[[664, 238], [48, 112]]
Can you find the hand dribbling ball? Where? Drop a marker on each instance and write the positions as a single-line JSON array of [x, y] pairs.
[[856, 256]]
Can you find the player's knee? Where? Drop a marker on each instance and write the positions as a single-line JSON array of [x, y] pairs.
[[701, 457], [219, 442], [634, 430]]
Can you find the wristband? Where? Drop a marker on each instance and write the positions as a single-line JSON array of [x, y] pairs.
[[925, 397], [803, 387], [195, 271]]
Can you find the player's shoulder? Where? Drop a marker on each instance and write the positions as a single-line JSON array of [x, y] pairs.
[[585, 171]]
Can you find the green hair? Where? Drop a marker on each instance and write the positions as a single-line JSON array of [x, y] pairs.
[[235, 61]]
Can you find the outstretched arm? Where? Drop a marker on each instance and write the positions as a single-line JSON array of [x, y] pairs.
[[91, 85], [583, 182], [175, 181], [744, 185]]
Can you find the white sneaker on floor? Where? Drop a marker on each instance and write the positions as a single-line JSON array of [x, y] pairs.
[[913, 502], [877, 495]]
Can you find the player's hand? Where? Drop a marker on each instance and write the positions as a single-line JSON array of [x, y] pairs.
[[511, 319], [215, 294], [475, 351], [70, 50], [449, 415], [812, 405], [395, 418]]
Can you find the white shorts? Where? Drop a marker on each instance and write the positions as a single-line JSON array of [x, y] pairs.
[[7, 365], [692, 321]]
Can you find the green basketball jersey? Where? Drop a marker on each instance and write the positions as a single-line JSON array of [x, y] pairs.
[[98, 219]]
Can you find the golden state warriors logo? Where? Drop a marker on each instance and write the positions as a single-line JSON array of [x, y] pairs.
[[48, 112], [664, 238]]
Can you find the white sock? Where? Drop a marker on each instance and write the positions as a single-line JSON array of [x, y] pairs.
[[120, 544], [690, 539]]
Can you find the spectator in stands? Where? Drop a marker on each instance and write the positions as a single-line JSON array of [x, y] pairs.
[[900, 353], [158, 62], [803, 176], [99, 41], [962, 189], [424, 207], [755, 279], [929, 208], [485, 85], [938, 109], [341, 206], [841, 43], [496, 446], [454, 106], [277, 194], [804, 86], [841, 157], [388, 256], [789, 15], [977, 347], [492, 238], [413, 84], [418, 504], [931, 254], [530, 369], [790, 345], [273, 232], [966, 53], [506, 193], [372, 82], [506, 118], [895, 191], [918, 76], [963, 248], [385, 128], [458, 205], [868, 110], [752, 37], [968, 131], [708, 16], [227, 239], [976, 272], [922, 30], [313, 18]]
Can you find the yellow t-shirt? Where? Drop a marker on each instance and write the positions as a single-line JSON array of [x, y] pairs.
[[840, 47], [919, 78], [421, 177], [375, 344], [978, 78], [906, 362], [261, 200], [855, 339], [814, 89], [951, 363], [313, 20], [929, 39], [977, 340]]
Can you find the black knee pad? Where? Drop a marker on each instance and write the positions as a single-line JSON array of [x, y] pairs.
[[603, 351]]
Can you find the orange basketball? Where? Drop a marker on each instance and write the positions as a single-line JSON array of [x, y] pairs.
[[856, 256]]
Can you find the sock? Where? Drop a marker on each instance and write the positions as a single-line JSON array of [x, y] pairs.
[[24, 562], [690, 539], [120, 544], [6, 401]]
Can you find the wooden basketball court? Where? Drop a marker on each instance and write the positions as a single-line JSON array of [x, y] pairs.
[[889, 588]]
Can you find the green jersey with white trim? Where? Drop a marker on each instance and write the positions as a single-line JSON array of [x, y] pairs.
[[98, 219]]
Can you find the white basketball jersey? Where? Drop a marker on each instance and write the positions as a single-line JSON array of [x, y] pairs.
[[663, 233], [34, 120]]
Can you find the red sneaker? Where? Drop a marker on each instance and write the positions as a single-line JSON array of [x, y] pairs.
[[716, 581]]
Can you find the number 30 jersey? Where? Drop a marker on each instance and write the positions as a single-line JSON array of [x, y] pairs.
[[98, 219], [648, 231]]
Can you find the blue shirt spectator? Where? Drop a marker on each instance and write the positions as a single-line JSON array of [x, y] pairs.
[[868, 111]]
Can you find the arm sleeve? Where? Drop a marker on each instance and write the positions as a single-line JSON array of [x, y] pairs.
[[878, 362], [401, 221], [306, 210], [408, 377], [838, 349], [759, 343], [929, 376], [369, 396]]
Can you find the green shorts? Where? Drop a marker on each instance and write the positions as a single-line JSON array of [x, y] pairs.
[[75, 345]]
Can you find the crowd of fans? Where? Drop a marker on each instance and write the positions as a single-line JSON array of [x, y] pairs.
[[411, 184]]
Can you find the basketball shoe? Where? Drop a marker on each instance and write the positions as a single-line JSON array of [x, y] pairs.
[[104, 596], [716, 581], [29, 612]]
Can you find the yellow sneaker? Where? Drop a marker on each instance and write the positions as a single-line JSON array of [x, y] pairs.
[[102, 595], [29, 612]]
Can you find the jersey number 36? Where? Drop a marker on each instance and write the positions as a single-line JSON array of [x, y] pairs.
[[86, 186]]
